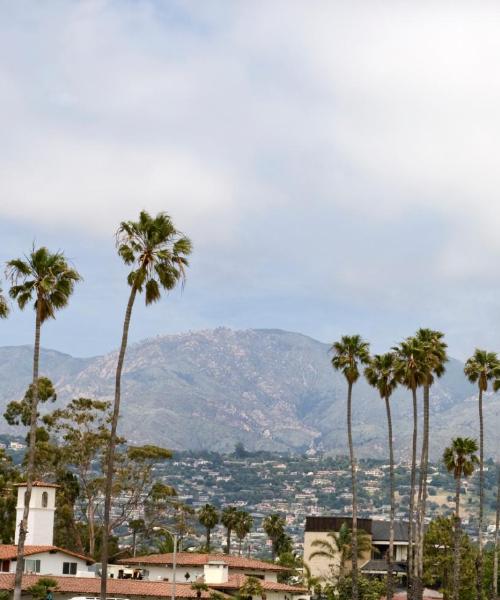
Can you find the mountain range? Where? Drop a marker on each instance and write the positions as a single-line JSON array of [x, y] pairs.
[[269, 389]]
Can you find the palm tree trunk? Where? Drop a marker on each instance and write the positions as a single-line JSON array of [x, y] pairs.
[[422, 499], [354, 541], [456, 548], [208, 539], [112, 443], [497, 524], [134, 545], [228, 541], [239, 546], [390, 582], [23, 527], [481, 500], [413, 476]]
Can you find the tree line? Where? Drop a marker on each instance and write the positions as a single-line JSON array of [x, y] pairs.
[[415, 364]]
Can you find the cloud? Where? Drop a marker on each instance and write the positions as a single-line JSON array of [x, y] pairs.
[[337, 150]]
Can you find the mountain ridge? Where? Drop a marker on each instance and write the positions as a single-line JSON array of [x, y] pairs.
[[269, 388]]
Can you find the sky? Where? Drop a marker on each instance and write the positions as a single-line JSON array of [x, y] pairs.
[[336, 164]]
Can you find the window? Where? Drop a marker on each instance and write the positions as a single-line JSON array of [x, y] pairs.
[[69, 568], [32, 565], [4, 566], [45, 500]]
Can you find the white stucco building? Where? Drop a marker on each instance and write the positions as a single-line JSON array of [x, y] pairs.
[[40, 554]]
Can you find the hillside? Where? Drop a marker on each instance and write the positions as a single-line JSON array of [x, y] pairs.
[[269, 389]]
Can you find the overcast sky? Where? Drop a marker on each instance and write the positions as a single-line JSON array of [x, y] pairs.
[[336, 164]]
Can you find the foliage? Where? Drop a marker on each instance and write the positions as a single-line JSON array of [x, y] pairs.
[[4, 306], [274, 526], [368, 588], [44, 277], [460, 458], [208, 517], [293, 563], [339, 548], [8, 498], [19, 412], [41, 588], [252, 587], [199, 587], [348, 353], [438, 559], [243, 527]]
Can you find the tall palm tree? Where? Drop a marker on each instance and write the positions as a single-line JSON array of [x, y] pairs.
[[348, 354], [208, 517], [243, 527], [460, 459], [339, 547], [229, 518], [433, 359], [46, 279], [381, 373], [410, 374], [158, 254], [4, 307], [497, 530], [481, 368], [274, 526]]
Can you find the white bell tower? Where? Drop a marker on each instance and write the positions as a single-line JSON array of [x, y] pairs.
[[41, 515]]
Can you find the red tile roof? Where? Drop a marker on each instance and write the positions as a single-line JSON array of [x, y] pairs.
[[200, 559], [91, 586], [236, 581], [9, 551]]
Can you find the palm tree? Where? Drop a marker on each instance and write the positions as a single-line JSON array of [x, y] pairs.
[[243, 527], [46, 280], [481, 368], [229, 518], [433, 357], [4, 307], [199, 587], [460, 459], [410, 374], [339, 547], [348, 354], [252, 587], [274, 526], [497, 528], [158, 254], [308, 579], [381, 374], [208, 517]]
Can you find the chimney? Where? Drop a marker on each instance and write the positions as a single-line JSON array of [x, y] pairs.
[[41, 515], [215, 571]]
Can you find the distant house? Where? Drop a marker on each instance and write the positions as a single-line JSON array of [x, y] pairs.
[[373, 563]]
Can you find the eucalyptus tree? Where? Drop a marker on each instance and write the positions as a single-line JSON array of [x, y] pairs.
[[460, 459], [158, 252], [348, 354], [410, 373], [481, 368], [433, 358], [229, 518], [381, 373], [4, 306], [46, 280], [208, 517]]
